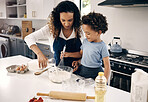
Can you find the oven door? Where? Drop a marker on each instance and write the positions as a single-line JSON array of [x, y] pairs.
[[121, 75], [121, 81]]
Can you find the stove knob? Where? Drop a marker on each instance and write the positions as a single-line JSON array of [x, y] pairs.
[[124, 67], [112, 64], [119, 66]]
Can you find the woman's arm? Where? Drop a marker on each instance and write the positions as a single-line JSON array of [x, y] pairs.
[[31, 39], [42, 33], [107, 68], [41, 58], [72, 54]]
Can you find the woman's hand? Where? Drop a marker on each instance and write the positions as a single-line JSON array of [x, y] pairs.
[[65, 54], [75, 64], [42, 60]]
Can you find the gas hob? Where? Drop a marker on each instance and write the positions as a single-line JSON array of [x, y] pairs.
[[138, 59]]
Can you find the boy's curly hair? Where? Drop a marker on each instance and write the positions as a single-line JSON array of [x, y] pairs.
[[96, 20], [55, 23]]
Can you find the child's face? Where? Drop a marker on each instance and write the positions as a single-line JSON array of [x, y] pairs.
[[91, 35]]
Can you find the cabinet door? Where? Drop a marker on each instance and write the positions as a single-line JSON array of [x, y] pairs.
[[45, 50], [29, 53], [48, 6], [2, 9], [20, 46], [39, 9], [13, 49], [34, 9]]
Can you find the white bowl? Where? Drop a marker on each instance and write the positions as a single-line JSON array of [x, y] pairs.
[[59, 74]]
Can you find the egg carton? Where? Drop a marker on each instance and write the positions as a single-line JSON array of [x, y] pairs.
[[20, 69]]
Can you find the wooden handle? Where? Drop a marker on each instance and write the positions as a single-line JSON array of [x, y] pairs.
[[42, 94], [45, 70], [90, 97]]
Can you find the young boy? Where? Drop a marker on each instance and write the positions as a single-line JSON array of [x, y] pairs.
[[93, 49]]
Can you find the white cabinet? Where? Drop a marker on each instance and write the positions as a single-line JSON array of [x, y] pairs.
[[34, 9], [15, 8], [39, 9], [2, 9]]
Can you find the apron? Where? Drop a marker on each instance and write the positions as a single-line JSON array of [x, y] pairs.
[[72, 45], [88, 72]]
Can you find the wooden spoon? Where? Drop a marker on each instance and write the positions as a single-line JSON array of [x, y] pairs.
[[38, 73]]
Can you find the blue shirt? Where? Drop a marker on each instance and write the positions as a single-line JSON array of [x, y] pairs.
[[93, 53]]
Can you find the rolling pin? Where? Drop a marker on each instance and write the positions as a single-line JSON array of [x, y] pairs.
[[67, 95]]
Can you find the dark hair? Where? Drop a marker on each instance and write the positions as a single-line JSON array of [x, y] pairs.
[[96, 20], [55, 23]]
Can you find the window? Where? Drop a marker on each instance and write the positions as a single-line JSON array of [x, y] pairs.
[[85, 7]]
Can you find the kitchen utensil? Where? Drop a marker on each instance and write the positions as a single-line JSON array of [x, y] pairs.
[[116, 48], [26, 28], [38, 73], [13, 29], [61, 63], [51, 63], [67, 95]]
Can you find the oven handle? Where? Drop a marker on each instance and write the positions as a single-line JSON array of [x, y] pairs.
[[120, 73]]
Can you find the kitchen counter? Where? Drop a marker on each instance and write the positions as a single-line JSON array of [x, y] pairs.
[[22, 87], [41, 41], [10, 36]]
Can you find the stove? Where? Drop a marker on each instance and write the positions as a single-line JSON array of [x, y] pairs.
[[124, 65]]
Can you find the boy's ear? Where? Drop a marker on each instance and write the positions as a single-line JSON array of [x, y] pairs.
[[100, 32]]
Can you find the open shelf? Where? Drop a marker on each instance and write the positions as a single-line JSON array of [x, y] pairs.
[[15, 8]]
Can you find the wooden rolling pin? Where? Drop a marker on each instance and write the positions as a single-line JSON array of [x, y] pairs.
[[67, 95]]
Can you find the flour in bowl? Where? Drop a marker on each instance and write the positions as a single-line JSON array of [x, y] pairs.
[[59, 76]]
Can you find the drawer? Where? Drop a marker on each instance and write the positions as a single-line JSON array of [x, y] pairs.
[[48, 54], [43, 47]]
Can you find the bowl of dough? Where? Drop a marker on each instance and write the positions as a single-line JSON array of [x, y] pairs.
[[59, 74]]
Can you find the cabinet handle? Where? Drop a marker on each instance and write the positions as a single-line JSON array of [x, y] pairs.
[[12, 40], [46, 48], [47, 55], [33, 14]]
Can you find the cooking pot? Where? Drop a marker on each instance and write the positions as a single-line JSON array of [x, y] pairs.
[[12, 29], [115, 47]]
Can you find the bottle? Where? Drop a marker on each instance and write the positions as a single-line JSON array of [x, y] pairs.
[[100, 87], [25, 15]]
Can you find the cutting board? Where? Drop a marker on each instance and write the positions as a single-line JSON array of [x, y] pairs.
[[26, 28]]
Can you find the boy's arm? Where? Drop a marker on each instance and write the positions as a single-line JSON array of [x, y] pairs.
[[107, 68], [76, 64]]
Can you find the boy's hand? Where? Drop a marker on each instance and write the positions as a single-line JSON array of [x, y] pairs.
[[75, 64]]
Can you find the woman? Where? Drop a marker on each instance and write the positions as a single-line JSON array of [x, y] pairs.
[[62, 29]]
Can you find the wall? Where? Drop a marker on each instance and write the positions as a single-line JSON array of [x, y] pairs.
[[37, 24], [130, 24]]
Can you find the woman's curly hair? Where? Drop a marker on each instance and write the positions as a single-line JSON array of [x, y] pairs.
[[55, 23], [96, 20]]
